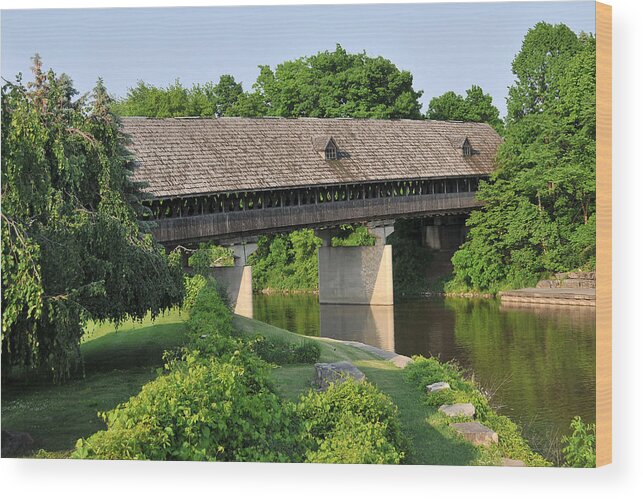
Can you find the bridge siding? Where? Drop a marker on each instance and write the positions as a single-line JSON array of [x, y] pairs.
[[255, 222]]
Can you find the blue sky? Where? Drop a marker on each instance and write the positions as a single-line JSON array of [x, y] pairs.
[[445, 46]]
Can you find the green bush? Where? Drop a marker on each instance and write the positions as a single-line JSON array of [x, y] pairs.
[[353, 440], [351, 422], [579, 448], [281, 352], [193, 286], [201, 410], [307, 352], [209, 315]]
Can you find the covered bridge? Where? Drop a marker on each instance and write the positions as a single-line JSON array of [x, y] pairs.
[[217, 178]]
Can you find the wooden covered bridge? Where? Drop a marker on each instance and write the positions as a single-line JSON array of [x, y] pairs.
[[229, 180]]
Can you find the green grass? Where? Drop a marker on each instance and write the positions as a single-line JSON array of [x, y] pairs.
[[117, 364], [430, 439]]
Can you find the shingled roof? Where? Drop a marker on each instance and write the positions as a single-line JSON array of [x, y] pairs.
[[190, 156]]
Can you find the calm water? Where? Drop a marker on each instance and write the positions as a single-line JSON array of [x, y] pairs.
[[539, 363]]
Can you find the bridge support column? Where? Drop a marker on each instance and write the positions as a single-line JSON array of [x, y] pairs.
[[361, 275], [445, 233], [237, 280]]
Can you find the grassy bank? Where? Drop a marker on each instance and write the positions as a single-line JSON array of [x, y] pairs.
[[431, 439], [117, 364]]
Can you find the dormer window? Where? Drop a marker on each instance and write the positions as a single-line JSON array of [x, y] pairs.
[[330, 152], [326, 147], [467, 150]]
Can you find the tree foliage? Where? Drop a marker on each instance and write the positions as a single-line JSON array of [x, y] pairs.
[[332, 85], [71, 246], [476, 106], [174, 100], [286, 261], [539, 214]]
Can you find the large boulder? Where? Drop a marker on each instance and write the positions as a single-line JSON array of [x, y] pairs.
[[336, 372], [16, 443]]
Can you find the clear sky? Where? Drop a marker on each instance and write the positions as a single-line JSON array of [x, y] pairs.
[[445, 46]]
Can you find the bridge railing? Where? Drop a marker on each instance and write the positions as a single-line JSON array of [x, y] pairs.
[[245, 223], [228, 202]]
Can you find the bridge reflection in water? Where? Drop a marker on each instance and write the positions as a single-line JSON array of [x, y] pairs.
[[373, 325]]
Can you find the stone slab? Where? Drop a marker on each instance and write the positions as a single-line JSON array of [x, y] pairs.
[[505, 461], [336, 372], [551, 296], [437, 387], [398, 360], [456, 410], [476, 433]]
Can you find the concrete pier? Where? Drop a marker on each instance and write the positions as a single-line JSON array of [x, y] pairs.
[[237, 280], [360, 275]]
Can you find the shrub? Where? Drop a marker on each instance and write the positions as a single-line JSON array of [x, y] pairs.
[[307, 352], [579, 448], [202, 410], [193, 286], [209, 315], [281, 352], [353, 440], [354, 420]]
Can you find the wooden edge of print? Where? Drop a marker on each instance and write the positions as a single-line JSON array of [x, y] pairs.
[[603, 234]]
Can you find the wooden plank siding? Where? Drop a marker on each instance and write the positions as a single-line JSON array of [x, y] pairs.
[[248, 223]]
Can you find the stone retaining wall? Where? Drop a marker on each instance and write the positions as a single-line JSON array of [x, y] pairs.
[[573, 280]]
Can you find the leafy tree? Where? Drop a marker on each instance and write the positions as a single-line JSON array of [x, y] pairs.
[[476, 106], [176, 100], [225, 94], [71, 246], [332, 85], [539, 214], [546, 50]]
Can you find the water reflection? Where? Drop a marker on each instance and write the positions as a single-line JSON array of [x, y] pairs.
[[538, 362], [371, 325]]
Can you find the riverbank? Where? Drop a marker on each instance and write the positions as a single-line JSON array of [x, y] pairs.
[[431, 438], [56, 416]]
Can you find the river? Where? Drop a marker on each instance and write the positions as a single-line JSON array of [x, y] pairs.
[[537, 363]]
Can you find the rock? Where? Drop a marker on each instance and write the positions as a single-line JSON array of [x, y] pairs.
[[582, 275], [436, 387], [327, 373], [505, 461], [476, 433], [458, 410], [16, 443], [579, 283]]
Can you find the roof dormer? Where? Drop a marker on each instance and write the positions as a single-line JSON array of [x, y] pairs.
[[326, 147], [467, 149]]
